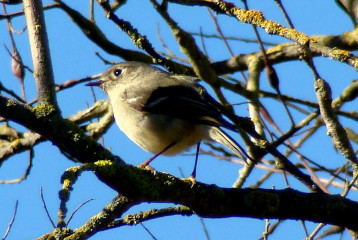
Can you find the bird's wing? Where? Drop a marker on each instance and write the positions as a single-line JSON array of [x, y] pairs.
[[185, 103]]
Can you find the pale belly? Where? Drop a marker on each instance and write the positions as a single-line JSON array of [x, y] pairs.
[[155, 132]]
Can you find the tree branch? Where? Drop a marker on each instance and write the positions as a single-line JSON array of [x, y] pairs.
[[40, 53], [205, 200]]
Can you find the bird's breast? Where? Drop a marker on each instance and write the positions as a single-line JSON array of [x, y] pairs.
[[153, 132]]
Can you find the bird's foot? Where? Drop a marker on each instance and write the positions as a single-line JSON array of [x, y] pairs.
[[145, 166], [191, 179]]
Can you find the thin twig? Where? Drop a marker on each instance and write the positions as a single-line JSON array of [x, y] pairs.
[[17, 66], [284, 12], [270, 71], [78, 208], [350, 185], [27, 172], [45, 207], [105, 61], [205, 51], [271, 229], [9, 52], [204, 228], [218, 29], [148, 231], [315, 231], [304, 227], [162, 42], [334, 176], [69, 84], [223, 38], [11, 222], [20, 13], [231, 38], [267, 225], [11, 93], [91, 11]]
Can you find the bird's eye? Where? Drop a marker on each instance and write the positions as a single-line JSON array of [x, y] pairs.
[[117, 72]]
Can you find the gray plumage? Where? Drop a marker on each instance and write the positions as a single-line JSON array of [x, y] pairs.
[[156, 109]]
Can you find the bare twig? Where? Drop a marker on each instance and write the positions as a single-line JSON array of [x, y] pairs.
[[27, 67], [69, 84], [214, 36], [17, 66], [148, 231], [45, 207], [11, 222], [20, 13], [104, 219], [27, 172], [283, 10], [78, 208], [133, 219], [270, 71], [265, 233], [218, 29], [205, 228], [11, 93]]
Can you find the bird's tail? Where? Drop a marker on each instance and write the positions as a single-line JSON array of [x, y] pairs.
[[218, 135]]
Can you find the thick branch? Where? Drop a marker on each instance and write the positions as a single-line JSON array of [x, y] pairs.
[[61, 132], [334, 128], [212, 201], [19, 145], [205, 200], [323, 46], [40, 53]]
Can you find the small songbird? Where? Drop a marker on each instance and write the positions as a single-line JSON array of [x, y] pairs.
[[164, 113]]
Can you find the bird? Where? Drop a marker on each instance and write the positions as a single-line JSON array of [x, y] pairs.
[[164, 113]]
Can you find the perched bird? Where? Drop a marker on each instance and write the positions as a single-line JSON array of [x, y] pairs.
[[164, 113]]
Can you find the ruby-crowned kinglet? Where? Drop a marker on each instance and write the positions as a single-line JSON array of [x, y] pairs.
[[164, 113]]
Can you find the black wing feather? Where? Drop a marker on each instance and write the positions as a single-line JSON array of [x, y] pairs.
[[185, 103]]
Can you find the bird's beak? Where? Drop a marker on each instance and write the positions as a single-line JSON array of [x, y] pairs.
[[97, 83]]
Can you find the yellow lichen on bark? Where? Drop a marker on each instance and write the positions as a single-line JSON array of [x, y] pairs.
[[256, 17]]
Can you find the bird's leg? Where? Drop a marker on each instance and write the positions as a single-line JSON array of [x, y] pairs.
[[148, 161], [193, 174]]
